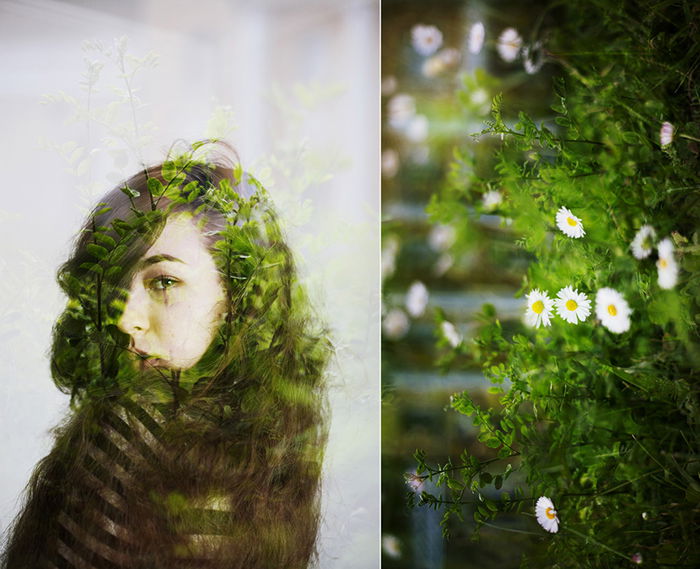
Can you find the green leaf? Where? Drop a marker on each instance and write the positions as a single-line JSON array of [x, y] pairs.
[[97, 251], [130, 192], [155, 187]]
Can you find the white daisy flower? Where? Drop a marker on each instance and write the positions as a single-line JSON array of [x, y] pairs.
[[417, 299], [643, 242], [400, 109], [491, 200], [509, 44], [391, 546], [533, 58], [415, 481], [417, 129], [477, 33], [426, 40], [666, 134], [612, 310], [443, 264], [441, 237], [572, 305], [390, 163], [479, 97], [569, 223], [665, 248], [442, 61], [389, 251], [432, 67], [539, 309], [395, 324], [546, 514], [666, 265], [449, 56], [449, 331]]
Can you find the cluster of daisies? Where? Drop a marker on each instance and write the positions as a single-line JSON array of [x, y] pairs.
[[642, 247], [611, 308], [573, 306], [427, 40]]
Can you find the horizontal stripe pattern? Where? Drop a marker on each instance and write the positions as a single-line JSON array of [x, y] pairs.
[[116, 516]]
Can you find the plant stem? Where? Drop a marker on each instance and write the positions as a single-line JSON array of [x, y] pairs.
[[494, 526], [589, 538]]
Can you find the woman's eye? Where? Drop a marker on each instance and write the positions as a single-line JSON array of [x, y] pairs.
[[163, 282]]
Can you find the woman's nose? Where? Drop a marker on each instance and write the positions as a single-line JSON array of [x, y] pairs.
[[134, 319]]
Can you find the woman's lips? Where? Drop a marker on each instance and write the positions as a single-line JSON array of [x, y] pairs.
[[146, 360]]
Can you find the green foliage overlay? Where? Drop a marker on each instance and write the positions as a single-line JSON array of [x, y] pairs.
[[604, 424]]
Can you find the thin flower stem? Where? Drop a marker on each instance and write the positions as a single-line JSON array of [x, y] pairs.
[[663, 468], [494, 526], [582, 140], [589, 538], [689, 137], [463, 466], [567, 53], [610, 491]]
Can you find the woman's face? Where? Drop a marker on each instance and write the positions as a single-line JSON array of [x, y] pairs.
[[176, 299]]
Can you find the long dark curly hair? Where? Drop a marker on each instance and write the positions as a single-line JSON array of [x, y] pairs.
[[214, 466]]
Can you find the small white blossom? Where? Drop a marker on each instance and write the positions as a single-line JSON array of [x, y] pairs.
[[546, 514], [533, 58], [417, 129], [442, 61], [481, 100], [643, 242], [453, 337], [432, 67], [391, 546], [426, 40], [666, 134], [389, 85], [415, 481], [441, 237], [477, 33], [395, 324], [479, 97], [390, 162], [491, 200], [389, 251], [400, 109], [666, 265], [509, 44], [417, 299], [443, 264], [612, 310], [569, 224], [572, 305], [539, 309]]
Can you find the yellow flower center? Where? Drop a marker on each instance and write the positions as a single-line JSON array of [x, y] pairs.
[[612, 310], [571, 304], [663, 263], [571, 221], [538, 307], [550, 513]]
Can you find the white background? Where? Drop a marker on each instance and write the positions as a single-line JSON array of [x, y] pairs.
[[300, 80]]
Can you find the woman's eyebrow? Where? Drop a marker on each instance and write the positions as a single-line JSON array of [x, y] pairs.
[[152, 260]]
